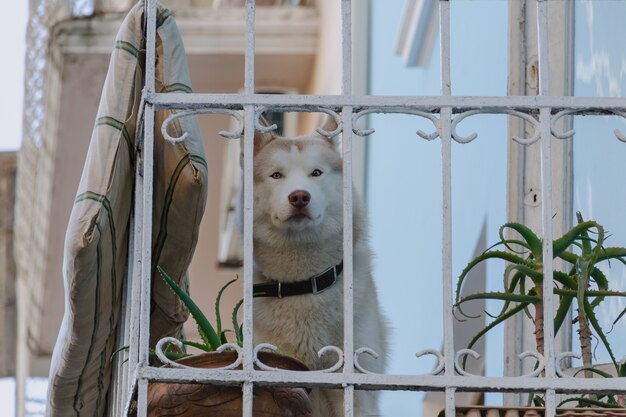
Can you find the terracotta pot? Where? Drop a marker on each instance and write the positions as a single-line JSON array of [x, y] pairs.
[[203, 400]]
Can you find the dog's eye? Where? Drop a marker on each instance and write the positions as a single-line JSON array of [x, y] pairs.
[[316, 173], [276, 175]]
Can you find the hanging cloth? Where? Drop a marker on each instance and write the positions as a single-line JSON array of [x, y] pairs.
[[96, 259]]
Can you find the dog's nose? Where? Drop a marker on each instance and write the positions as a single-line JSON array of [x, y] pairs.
[[299, 199]]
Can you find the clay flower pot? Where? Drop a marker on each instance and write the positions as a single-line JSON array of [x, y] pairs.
[[203, 400]]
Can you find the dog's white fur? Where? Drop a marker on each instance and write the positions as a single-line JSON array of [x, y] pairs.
[[294, 244]]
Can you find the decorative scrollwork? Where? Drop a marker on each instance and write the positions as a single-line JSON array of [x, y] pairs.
[[340, 359], [265, 129], [164, 359], [541, 362], [559, 362], [396, 110], [358, 353], [440, 360], [457, 360], [466, 139], [556, 118], [257, 361], [322, 352], [569, 133], [235, 134]]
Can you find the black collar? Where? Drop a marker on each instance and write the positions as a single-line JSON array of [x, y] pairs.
[[313, 285]]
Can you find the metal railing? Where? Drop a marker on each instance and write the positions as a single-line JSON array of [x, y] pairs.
[[445, 112]]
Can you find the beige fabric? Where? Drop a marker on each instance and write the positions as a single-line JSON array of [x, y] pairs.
[[97, 236]]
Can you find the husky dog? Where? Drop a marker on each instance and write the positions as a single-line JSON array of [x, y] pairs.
[[298, 252]]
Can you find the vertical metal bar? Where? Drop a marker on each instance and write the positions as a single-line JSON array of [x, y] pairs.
[[248, 199], [546, 200], [446, 172], [142, 398], [146, 240], [146, 220], [348, 277], [146, 212], [135, 287], [346, 46], [348, 288], [250, 44], [546, 189], [444, 32], [148, 162]]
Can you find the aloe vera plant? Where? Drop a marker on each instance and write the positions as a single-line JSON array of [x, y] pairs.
[[212, 336], [582, 249]]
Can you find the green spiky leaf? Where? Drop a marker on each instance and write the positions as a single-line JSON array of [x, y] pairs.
[[206, 330]]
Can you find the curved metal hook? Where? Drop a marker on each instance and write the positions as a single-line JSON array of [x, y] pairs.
[[540, 359], [457, 359], [466, 139], [568, 134], [257, 361], [559, 362], [186, 113], [562, 135], [440, 360], [272, 348], [266, 129], [618, 133], [395, 110], [161, 355], [340, 359], [359, 352]]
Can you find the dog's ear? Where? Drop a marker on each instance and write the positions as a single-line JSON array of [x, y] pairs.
[[260, 139], [329, 125]]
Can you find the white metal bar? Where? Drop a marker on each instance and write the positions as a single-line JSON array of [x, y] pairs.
[[348, 288], [135, 276], [546, 204], [388, 381], [250, 43], [146, 239], [248, 147], [348, 277], [445, 134], [550, 403], [248, 151], [444, 46], [142, 398], [248, 278], [546, 183], [148, 162], [426, 103], [146, 211], [346, 47]]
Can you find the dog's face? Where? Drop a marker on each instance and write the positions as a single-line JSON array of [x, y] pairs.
[[297, 185]]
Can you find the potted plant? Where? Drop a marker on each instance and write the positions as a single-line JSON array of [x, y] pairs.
[[196, 400], [582, 283]]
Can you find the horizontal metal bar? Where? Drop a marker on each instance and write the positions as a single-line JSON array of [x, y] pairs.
[[386, 382], [458, 103]]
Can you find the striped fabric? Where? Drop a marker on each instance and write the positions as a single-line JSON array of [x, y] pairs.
[[96, 243]]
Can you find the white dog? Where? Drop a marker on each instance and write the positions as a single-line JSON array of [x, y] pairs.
[[298, 229]]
